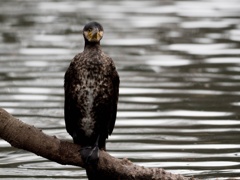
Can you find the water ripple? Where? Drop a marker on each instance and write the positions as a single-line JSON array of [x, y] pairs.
[[129, 42], [178, 63], [43, 51], [175, 113]]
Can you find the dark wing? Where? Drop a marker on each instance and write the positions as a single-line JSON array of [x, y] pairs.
[[71, 110], [115, 82], [68, 101]]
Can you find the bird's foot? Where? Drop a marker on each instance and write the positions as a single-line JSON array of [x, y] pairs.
[[90, 155]]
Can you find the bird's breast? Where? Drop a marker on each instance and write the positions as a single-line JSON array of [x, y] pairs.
[[91, 90]]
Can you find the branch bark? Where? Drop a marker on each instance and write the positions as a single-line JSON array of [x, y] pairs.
[[27, 137]]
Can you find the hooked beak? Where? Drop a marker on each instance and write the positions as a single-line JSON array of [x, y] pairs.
[[95, 34], [95, 31]]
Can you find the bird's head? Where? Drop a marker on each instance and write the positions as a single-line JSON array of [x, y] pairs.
[[93, 32]]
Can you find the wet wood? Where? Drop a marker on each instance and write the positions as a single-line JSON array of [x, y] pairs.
[[30, 138]]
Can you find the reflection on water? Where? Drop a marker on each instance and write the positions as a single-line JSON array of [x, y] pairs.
[[179, 68]]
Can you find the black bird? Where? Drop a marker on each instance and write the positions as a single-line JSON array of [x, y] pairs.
[[91, 95]]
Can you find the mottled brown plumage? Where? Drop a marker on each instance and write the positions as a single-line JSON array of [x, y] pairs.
[[91, 94]]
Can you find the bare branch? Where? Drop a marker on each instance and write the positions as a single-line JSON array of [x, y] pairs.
[[24, 136]]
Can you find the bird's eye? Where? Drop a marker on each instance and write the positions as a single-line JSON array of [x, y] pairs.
[[89, 30]]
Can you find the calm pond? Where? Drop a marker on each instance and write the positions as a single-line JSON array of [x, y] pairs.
[[179, 65]]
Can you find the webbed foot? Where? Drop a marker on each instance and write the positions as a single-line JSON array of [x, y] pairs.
[[90, 155]]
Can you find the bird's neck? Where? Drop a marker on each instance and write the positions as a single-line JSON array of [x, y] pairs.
[[92, 45]]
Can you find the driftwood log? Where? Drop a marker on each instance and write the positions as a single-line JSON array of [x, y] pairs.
[[27, 137]]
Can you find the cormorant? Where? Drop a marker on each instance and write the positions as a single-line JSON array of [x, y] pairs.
[[91, 95]]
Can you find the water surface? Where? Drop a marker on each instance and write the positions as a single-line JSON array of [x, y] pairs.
[[180, 79]]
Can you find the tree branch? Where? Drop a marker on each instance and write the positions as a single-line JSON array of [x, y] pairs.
[[24, 136]]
